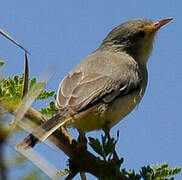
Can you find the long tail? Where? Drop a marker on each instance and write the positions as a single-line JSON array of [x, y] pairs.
[[42, 132]]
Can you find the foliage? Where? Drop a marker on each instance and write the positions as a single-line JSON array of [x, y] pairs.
[[51, 109], [1, 63], [11, 94], [159, 172], [45, 94], [105, 148], [63, 172]]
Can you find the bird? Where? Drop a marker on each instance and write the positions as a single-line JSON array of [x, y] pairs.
[[105, 86]]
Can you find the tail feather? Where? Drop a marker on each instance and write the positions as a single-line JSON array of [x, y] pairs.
[[43, 132]]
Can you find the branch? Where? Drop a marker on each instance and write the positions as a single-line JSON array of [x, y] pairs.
[[80, 160]]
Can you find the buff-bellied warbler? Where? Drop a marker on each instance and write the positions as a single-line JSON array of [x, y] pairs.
[[107, 85]]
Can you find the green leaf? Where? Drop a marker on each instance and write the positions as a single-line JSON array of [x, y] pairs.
[[51, 109], [33, 82], [108, 145], [63, 172], [11, 89], [1, 63], [96, 146], [159, 172], [105, 148], [45, 94]]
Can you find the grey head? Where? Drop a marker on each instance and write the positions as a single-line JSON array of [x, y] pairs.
[[133, 37]]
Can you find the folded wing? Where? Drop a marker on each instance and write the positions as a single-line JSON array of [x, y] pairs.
[[77, 91]]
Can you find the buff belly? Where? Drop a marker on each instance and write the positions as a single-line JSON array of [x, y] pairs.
[[107, 115]]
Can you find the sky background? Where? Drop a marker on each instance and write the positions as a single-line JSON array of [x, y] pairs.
[[61, 33]]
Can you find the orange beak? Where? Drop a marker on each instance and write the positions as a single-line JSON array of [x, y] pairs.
[[159, 24]]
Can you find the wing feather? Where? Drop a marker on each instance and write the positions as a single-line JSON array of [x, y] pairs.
[[77, 91]]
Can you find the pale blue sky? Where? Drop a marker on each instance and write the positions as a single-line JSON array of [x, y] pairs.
[[64, 32]]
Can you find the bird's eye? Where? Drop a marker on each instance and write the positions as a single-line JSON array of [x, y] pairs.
[[141, 34]]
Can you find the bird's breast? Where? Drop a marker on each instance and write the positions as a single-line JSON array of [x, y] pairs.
[[107, 115], [122, 106]]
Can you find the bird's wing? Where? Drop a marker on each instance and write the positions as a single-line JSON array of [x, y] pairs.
[[77, 90]]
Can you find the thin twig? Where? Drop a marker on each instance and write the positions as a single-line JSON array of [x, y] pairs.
[[83, 176], [71, 176], [13, 41], [3, 169]]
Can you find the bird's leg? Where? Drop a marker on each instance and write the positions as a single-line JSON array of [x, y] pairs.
[[83, 176], [107, 133], [82, 143], [82, 139]]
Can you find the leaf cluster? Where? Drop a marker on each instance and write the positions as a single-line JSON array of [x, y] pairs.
[[159, 172], [105, 147], [51, 109], [11, 92]]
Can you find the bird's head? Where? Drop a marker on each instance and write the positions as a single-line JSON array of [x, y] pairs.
[[134, 37]]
